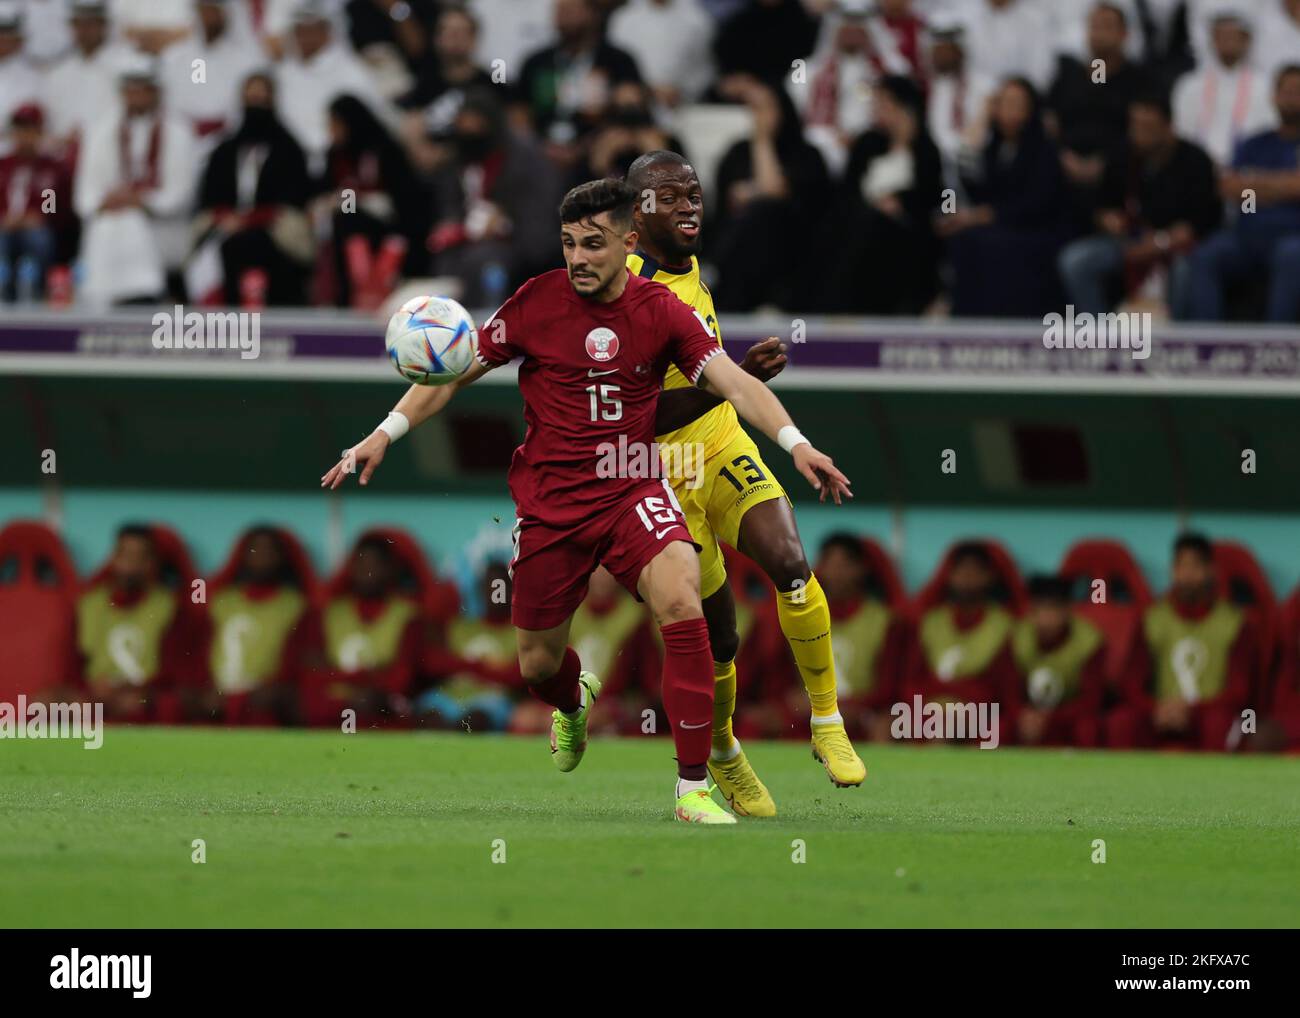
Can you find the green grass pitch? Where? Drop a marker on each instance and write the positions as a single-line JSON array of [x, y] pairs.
[[324, 829]]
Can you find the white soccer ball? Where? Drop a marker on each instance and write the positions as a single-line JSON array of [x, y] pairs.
[[431, 340]]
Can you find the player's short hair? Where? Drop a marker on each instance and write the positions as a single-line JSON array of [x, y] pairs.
[[1196, 543], [643, 164], [973, 551], [1049, 587], [596, 196]]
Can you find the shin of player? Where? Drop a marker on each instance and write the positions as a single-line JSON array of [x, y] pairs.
[[670, 585]]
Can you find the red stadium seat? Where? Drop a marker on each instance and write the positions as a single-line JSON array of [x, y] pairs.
[[1103, 559], [38, 587], [1009, 588], [1127, 595], [1242, 581]]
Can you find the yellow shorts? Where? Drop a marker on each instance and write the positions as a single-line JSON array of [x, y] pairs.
[[735, 479]]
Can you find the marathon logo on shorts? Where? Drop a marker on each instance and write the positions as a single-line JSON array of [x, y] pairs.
[[75, 971], [602, 345]]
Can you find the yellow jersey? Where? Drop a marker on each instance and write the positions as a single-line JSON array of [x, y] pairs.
[[717, 428]]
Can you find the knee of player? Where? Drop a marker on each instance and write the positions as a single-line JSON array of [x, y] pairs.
[[679, 607], [539, 664], [788, 569]]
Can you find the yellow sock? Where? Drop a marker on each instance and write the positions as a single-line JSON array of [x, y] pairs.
[[724, 703], [806, 622]]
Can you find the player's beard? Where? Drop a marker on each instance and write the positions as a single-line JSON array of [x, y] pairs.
[[600, 284]]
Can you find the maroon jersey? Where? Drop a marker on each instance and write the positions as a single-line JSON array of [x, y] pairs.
[[23, 183], [591, 375]]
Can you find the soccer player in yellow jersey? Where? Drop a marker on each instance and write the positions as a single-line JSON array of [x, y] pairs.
[[734, 498]]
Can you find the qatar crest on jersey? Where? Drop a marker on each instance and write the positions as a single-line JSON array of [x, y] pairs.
[[602, 344]]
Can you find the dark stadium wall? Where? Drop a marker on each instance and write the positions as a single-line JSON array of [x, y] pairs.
[[1130, 452]]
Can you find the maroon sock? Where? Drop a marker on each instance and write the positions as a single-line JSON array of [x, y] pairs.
[[561, 689], [688, 694]]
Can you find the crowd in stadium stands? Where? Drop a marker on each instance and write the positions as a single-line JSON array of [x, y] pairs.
[[972, 157], [1084, 657]]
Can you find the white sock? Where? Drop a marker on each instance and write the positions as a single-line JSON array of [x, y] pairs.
[[726, 754], [684, 786], [829, 719], [582, 702]]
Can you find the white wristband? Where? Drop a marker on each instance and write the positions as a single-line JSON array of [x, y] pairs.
[[790, 436], [395, 425]]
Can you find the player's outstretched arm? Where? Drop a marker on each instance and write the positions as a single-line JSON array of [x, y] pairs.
[[758, 405], [678, 407], [419, 404]]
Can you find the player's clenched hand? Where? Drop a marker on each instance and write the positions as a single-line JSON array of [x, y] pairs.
[[365, 455], [765, 360], [822, 473]]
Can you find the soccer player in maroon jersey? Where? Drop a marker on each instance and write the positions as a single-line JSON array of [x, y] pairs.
[[595, 343]]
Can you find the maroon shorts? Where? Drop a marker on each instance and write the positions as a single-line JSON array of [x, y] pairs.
[[551, 564]]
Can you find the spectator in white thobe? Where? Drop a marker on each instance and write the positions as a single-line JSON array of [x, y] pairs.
[[1277, 43], [81, 89], [510, 30], [1228, 98], [958, 96], [134, 192], [20, 84], [46, 25], [208, 96], [266, 23], [151, 25], [833, 97], [672, 43], [1011, 38], [317, 69]]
